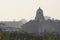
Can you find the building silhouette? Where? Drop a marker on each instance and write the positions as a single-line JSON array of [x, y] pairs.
[[40, 25], [39, 15], [36, 26]]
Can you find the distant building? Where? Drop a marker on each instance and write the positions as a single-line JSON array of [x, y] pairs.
[[11, 25], [40, 25], [39, 15]]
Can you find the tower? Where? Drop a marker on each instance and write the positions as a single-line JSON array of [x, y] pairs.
[[39, 15]]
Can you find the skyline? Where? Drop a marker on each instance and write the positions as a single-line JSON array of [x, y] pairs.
[[26, 9]]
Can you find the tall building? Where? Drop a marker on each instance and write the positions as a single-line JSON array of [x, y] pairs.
[[34, 26], [40, 25], [39, 15]]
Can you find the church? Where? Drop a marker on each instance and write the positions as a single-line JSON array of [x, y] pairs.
[[40, 25]]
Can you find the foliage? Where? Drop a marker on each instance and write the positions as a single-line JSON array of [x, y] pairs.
[[27, 36]]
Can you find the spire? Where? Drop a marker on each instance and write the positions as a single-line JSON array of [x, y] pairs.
[[39, 15], [39, 9]]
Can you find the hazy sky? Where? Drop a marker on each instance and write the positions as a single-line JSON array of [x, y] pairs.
[[26, 9]]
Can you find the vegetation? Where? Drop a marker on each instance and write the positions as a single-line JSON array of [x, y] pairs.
[[27, 36]]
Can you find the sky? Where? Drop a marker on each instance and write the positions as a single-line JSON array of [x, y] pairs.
[[15, 10]]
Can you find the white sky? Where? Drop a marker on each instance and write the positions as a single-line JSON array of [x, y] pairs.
[[26, 9]]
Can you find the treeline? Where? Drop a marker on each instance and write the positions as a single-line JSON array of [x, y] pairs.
[[27, 36]]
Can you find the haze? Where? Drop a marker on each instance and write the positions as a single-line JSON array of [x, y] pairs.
[[26, 9]]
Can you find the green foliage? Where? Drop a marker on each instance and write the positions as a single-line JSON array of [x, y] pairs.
[[27, 36], [2, 36]]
